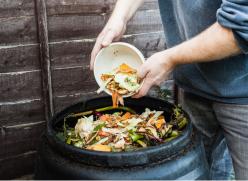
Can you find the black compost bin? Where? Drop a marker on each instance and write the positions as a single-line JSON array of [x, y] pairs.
[[181, 158]]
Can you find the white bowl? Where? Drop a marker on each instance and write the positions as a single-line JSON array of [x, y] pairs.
[[113, 56]]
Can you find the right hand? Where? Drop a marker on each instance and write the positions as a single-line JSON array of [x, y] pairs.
[[112, 31]]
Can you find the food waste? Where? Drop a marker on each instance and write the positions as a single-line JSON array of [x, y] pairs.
[[119, 129], [123, 80]]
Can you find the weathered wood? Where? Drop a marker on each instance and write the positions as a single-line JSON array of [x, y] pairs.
[[21, 112], [71, 53], [88, 26], [72, 80], [20, 85], [16, 8], [45, 58], [74, 27], [62, 101], [17, 166], [57, 7], [19, 139], [19, 58], [18, 30], [23, 29]]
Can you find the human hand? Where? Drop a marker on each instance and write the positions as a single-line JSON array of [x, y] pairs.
[[113, 31], [154, 71]]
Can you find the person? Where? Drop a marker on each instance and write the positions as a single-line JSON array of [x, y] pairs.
[[207, 53]]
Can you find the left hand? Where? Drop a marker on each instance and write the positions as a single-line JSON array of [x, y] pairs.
[[154, 71]]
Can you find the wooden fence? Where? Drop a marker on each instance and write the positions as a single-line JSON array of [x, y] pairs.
[[44, 53]]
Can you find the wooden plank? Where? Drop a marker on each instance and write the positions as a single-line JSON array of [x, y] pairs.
[[16, 8], [20, 85], [72, 27], [23, 28], [17, 166], [21, 112], [63, 101], [58, 7], [88, 26], [18, 30], [19, 139], [73, 79], [19, 58], [45, 58], [71, 53]]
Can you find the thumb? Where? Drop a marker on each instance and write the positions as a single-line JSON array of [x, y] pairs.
[[144, 89], [110, 35], [143, 71]]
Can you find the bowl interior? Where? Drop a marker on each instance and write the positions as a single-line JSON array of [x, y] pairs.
[[113, 56]]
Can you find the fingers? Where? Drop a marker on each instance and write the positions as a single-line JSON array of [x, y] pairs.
[[108, 38], [148, 83], [103, 40], [143, 71], [96, 49], [118, 37]]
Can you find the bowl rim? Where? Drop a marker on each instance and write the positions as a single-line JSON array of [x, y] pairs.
[[136, 50]]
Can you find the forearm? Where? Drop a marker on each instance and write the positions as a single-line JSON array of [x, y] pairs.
[[125, 9], [215, 43]]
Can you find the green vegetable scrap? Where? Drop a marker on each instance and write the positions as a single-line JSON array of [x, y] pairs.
[[123, 130]]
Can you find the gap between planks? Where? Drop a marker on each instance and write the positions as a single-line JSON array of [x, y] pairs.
[[25, 101], [25, 125], [84, 40], [77, 94]]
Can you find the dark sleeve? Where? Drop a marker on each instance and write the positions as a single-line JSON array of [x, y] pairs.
[[233, 14]]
